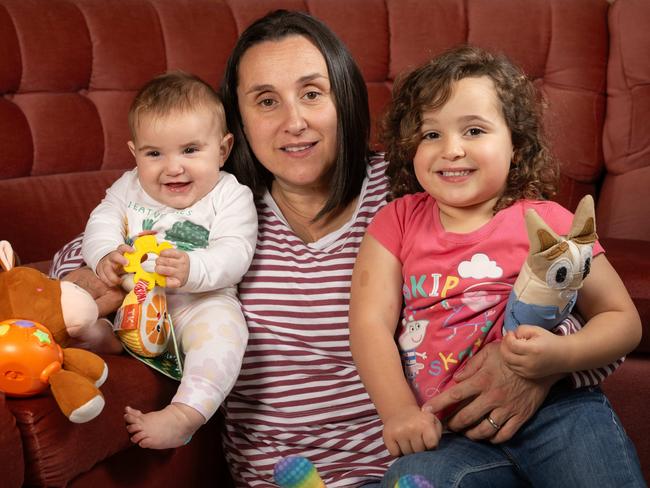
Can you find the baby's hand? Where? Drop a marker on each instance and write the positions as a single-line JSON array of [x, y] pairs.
[[111, 266], [533, 352], [411, 430], [174, 265]]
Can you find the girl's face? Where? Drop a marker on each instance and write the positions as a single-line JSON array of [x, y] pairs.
[[464, 154], [288, 112]]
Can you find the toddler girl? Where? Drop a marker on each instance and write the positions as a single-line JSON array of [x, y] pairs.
[[467, 159]]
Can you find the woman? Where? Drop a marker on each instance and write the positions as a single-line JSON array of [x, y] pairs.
[[297, 105]]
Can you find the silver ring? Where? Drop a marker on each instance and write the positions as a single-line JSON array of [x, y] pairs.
[[493, 423]]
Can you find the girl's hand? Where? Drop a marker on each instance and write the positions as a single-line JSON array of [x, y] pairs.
[[111, 266], [534, 352], [173, 265], [411, 430]]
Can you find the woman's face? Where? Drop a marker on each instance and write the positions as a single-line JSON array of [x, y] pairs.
[[287, 108]]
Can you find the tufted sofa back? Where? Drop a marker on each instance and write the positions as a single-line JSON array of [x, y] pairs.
[[624, 197], [70, 68]]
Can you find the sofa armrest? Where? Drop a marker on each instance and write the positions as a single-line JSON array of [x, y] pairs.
[[58, 452], [49, 437], [631, 260], [12, 466]]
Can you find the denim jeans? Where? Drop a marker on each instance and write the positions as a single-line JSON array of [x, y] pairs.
[[575, 439]]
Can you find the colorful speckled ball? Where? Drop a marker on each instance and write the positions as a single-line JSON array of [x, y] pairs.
[[413, 481], [297, 472], [28, 356]]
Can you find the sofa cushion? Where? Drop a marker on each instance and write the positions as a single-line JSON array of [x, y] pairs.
[[623, 203], [626, 140], [57, 450], [628, 390], [12, 465], [41, 213], [199, 464]]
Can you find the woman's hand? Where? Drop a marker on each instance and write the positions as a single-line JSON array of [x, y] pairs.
[[107, 298], [411, 430], [487, 387]]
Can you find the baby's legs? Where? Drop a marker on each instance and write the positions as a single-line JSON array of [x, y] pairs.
[[213, 335]]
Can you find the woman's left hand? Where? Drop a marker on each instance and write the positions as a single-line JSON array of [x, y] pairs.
[[107, 298], [488, 388]]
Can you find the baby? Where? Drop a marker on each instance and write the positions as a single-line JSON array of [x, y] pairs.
[[178, 191]]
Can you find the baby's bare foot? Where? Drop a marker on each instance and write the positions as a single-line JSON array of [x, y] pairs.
[[172, 426]]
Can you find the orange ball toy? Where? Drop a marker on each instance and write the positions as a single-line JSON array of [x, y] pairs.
[[28, 357]]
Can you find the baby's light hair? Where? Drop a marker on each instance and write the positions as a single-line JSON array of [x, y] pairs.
[[534, 173], [175, 91]]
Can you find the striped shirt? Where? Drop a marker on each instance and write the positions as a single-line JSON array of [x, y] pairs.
[[299, 392]]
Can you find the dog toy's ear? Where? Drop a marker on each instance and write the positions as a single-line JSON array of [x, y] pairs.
[[7, 258], [540, 235], [583, 228]]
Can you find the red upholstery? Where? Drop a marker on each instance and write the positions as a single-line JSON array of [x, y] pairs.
[[58, 451], [13, 465], [628, 392], [69, 71], [624, 198]]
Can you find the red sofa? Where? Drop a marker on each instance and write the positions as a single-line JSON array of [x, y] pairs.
[[70, 68]]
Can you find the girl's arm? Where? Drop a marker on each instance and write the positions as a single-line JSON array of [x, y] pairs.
[[375, 306], [613, 329]]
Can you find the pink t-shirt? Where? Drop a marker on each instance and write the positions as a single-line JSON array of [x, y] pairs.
[[456, 286]]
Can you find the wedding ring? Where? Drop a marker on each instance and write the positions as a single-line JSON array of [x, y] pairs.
[[493, 423]]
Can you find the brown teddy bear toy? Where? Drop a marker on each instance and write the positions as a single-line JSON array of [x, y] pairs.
[[38, 317]]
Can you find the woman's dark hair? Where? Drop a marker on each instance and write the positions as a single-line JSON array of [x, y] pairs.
[[350, 99], [533, 171]]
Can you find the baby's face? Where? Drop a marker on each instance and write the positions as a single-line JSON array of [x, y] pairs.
[[179, 155]]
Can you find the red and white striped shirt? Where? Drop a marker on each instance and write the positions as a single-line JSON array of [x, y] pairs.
[[298, 392]]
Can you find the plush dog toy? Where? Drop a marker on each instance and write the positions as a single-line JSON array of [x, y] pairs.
[[38, 317], [547, 286]]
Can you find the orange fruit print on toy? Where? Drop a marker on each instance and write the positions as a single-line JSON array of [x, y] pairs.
[[144, 326], [156, 327]]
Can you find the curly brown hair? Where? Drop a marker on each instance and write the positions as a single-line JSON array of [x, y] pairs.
[[534, 173]]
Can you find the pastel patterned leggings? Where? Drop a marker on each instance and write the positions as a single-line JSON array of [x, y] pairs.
[[212, 334]]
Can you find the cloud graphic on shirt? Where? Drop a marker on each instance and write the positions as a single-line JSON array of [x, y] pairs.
[[479, 267]]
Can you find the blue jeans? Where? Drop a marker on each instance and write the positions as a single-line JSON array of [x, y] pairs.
[[575, 439]]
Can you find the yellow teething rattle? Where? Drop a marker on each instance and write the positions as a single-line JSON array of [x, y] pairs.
[[144, 245]]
